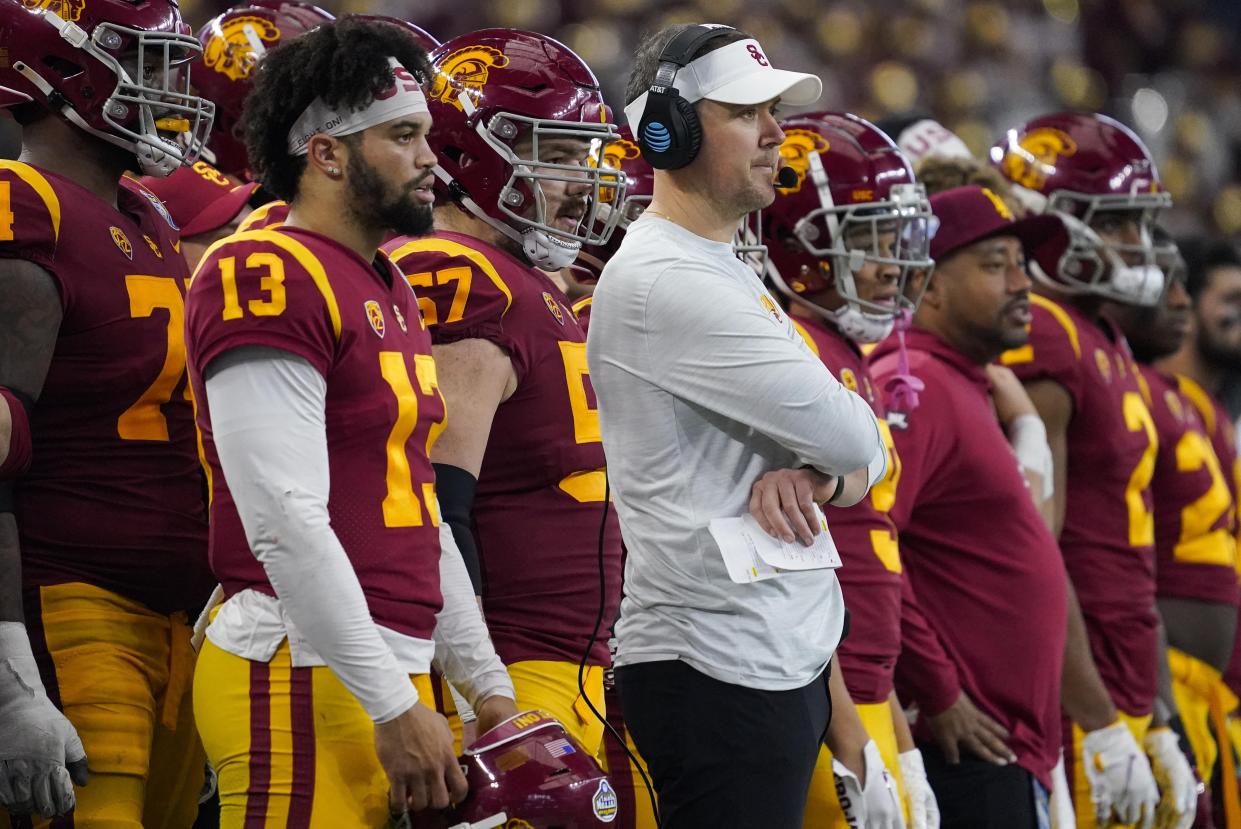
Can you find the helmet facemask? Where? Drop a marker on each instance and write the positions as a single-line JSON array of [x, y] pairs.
[[545, 244], [152, 98], [892, 232], [1122, 272]]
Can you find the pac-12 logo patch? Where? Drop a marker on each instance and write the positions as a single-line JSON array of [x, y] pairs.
[[604, 802], [122, 241], [554, 307], [375, 315]]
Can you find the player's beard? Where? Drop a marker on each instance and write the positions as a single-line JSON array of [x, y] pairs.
[[1218, 350], [372, 202]]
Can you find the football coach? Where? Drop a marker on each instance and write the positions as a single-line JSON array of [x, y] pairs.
[[712, 406]]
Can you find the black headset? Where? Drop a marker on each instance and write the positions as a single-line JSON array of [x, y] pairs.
[[670, 133]]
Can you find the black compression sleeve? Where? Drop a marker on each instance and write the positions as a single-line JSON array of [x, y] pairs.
[[455, 488]]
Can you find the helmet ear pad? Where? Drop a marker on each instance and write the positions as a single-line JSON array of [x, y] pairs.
[[671, 133]]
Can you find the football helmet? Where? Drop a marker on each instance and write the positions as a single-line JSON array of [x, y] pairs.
[[424, 38], [623, 158], [109, 67], [854, 188], [496, 97], [1082, 166], [527, 772], [232, 45]]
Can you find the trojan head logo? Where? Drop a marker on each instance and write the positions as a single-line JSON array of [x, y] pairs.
[[465, 70], [796, 150], [615, 154], [70, 10], [1034, 159], [234, 49], [554, 307], [375, 316], [122, 242]]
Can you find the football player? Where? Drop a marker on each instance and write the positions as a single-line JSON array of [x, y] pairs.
[[1099, 179], [102, 491], [841, 242], [1195, 519], [319, 403], [1207, 354], [520, 465]]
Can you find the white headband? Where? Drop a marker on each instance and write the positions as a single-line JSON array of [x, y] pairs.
[[738, 73], [403, 98]]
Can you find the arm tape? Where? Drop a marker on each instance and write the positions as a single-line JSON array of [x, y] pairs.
[[17, 460]]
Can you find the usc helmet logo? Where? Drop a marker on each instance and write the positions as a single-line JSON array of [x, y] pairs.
[[615, 153], [465, 70], [1042, 147], [70, 10], [796, 150], [230, 51]]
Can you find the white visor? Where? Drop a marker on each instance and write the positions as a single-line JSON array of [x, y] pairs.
[[402, 99], [738, 73]]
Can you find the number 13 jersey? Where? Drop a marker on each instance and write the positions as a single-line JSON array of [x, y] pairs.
[[113, 496], [539, 502], [357, 324]]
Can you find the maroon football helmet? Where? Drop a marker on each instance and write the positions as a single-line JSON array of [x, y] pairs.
[[625, 156], [528, 772], [232, 45], [111, 68], [424, 38], [497, 97], [1082, 166], [854, 188]]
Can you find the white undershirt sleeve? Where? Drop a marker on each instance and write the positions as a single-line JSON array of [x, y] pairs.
[[267, 422], [463, 648]]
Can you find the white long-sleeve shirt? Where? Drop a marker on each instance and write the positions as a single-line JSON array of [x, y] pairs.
[[704, 385]]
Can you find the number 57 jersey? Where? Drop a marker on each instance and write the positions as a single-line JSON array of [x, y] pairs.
[[113, 496], [357, 324]]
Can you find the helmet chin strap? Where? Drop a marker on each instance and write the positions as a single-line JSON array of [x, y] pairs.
[[544, 250], [860, 326]]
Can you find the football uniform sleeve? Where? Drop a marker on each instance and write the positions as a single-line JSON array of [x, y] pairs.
[[267, 421], [733, 357], [30, 216], [1054, 351], [462, 293], [261, 288]]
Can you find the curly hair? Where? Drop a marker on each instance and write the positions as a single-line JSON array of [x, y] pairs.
[[344, 62], [939, 174]]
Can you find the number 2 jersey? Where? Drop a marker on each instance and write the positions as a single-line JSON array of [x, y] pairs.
[[866, 538], [114, 494], [357, 324], [539, 503], [1108, 539]]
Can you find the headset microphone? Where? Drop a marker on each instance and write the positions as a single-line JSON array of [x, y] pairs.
[[786, 178]]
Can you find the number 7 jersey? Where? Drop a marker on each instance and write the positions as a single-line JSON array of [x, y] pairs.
[[114, 495], [357, 324], [539, 502]]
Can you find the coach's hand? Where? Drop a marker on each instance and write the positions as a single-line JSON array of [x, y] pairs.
[[963, 724], [416, 753], [782, 502], [1120, 777]]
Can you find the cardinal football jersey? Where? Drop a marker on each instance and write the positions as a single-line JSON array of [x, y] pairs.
[[114, 494], [357, 324], [539, 503]]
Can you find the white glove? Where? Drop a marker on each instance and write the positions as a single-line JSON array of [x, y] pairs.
[[923, 810], [36, 741], [874, 805], [1178, 790], [1120, 777]]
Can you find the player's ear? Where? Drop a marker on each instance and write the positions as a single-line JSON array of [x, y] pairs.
[[327, 155]]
